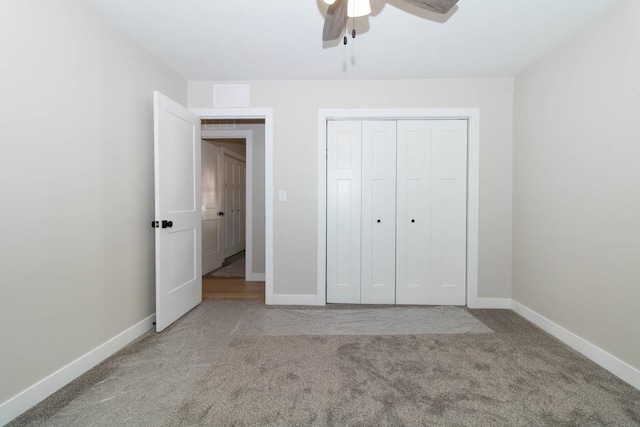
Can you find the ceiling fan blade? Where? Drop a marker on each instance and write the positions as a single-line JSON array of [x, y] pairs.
[[437, 6], [336, 21]]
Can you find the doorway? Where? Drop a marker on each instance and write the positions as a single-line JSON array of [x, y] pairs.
[[265, 179], [233, 202], [178, 200]]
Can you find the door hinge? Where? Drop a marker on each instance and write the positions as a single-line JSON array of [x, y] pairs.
[[155, 224]]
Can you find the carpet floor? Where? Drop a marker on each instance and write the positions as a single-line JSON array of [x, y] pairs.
[[199, 372], [516, 376]]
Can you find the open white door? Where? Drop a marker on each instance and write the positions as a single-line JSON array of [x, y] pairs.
[[178, 221], [212, 211]]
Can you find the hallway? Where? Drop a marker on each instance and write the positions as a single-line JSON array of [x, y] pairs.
[[228, 282]]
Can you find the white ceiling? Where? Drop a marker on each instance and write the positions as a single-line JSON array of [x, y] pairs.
[[281, 39]]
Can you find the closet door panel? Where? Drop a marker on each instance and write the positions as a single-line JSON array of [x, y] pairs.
[[431, 258], [448, 244], [413, 231], [344, 178], [378, 212]]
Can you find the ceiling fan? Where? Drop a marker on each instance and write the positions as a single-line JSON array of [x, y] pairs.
[[335, 22]]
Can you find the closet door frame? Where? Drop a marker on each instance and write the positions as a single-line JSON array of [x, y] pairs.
[[472, 115]]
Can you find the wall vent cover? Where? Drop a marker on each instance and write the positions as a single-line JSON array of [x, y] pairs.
[[220, 124], [231, 96]]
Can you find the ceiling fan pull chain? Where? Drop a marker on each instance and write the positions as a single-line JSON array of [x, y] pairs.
[[353, 27]]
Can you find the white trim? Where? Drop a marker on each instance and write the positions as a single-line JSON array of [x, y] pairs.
[[472, 115], [297, 300], [621, 369], [226, 133], [257, 277], [33, 395], [322, 206], [248, 204], [267, 115], [497, 303], [473, 211]]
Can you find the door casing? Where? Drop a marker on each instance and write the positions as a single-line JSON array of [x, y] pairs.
[[267, 115]]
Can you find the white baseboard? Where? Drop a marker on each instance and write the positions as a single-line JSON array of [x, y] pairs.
[[296, 300], [498, 303], [621, 369], [18, 404], [257, 277]]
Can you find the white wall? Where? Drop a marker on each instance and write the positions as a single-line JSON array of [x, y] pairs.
[[258, 211], [296, 105], [577, 184], [76, 179]]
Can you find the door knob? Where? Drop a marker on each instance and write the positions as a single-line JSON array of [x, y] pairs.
[[167, 224], [379, 221], [220, 213], [413, 220]]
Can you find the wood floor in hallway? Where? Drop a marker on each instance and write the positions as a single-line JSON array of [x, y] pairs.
[[232, 289]]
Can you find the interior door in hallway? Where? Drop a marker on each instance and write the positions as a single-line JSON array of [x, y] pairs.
[[178, 210], [431, 216], [242, 205], [234, 205], [212, 207]]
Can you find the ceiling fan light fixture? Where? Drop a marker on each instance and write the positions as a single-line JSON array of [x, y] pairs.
[[356, 8], [329, 2]]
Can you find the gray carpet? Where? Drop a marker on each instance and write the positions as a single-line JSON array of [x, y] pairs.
[[516, 376], [198, 373]]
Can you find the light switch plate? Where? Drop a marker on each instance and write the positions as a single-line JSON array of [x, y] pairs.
[[282, 195]]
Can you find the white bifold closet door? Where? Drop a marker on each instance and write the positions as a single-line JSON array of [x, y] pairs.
[[431, 202], [378, 264], [361, 203], [396, 212], [344, 216]]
